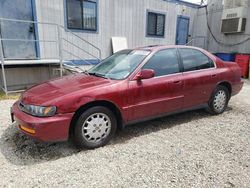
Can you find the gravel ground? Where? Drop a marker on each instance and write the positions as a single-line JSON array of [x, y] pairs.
[[191, 149]]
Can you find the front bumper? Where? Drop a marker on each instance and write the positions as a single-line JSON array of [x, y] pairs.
[[46, 129]]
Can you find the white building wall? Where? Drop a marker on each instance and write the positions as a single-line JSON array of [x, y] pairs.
[[123, 18]]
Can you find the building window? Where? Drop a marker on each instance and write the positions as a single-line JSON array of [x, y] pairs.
[[82, 14], [156, 24]]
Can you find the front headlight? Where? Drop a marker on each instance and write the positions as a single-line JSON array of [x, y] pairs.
[[40, 111]]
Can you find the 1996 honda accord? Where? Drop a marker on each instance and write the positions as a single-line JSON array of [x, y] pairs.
[[127, 87]]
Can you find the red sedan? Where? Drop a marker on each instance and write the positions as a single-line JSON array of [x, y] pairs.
[[127, 87]]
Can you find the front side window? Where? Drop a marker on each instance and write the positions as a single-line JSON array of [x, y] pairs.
[[194, 60], [120, 65], [164, 62], [82, 14], [156, 24]]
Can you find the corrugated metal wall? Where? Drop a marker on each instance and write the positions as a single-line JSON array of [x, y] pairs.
[[236, 3], [126, 18], [215, 9]]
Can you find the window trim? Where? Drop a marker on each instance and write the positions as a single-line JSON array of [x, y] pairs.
[[182, 65], [164, 26], [178, 59], [139, 68], [82, 29]]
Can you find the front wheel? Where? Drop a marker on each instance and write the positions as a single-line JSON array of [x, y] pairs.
[[94, 128], [219, 100]]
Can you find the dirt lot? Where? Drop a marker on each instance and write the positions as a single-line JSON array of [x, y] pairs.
[[192, 149]]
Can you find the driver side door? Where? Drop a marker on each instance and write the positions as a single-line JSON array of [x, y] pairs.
[[161, 94]]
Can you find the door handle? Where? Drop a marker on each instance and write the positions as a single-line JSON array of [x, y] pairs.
[[177, 82], [31, 28], [214, 75]]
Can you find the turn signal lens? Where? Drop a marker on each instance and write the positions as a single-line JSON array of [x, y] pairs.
[[28, 130], [47, 110]]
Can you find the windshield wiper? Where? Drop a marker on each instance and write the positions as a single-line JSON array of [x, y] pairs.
[[97, 75], [85, 72]]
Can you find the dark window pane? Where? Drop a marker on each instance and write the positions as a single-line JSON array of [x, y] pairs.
[[160, 25], [152, 20], [74, 12], [195, 60], [89, 15], [156, 24], [163, 62]]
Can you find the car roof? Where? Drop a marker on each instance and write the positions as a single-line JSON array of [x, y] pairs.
[[161, 47], [155, 48]]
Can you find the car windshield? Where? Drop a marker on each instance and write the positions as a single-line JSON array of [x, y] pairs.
[[120, 65]]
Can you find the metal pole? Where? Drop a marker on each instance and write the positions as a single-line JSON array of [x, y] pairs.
[[100, 55], [60, 49], [205, 42], [2, 65]]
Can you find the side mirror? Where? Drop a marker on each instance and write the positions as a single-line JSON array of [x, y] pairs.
[[145, 74]]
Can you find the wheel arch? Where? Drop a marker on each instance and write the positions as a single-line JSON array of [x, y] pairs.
[[111, 106], [228, 85]]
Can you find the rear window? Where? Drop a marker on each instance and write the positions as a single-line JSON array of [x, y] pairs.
[[195, 60]]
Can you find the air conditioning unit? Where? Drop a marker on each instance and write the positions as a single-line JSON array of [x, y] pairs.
[[234, 20]]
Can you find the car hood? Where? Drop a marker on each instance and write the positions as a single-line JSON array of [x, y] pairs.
[[51, 90]]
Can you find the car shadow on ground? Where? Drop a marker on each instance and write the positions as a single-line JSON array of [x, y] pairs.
[[19, 149]]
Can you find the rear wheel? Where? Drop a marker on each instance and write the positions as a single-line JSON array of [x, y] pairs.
[[219, 100], [94, 128]]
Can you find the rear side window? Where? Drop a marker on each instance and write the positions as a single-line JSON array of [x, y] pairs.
[[194, 60], [164, 62]]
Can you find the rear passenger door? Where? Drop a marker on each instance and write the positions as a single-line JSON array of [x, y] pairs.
[[199, 76], [162, 93]]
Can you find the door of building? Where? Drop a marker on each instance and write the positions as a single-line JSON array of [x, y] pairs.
[[25, 47], [182, 30]]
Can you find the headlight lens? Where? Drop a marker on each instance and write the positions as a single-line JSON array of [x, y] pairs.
[[40, 111]]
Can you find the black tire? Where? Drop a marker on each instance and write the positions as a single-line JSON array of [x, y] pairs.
[[213, 107], [79, 137]]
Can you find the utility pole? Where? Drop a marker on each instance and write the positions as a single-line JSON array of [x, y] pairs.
[[203, 2]]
